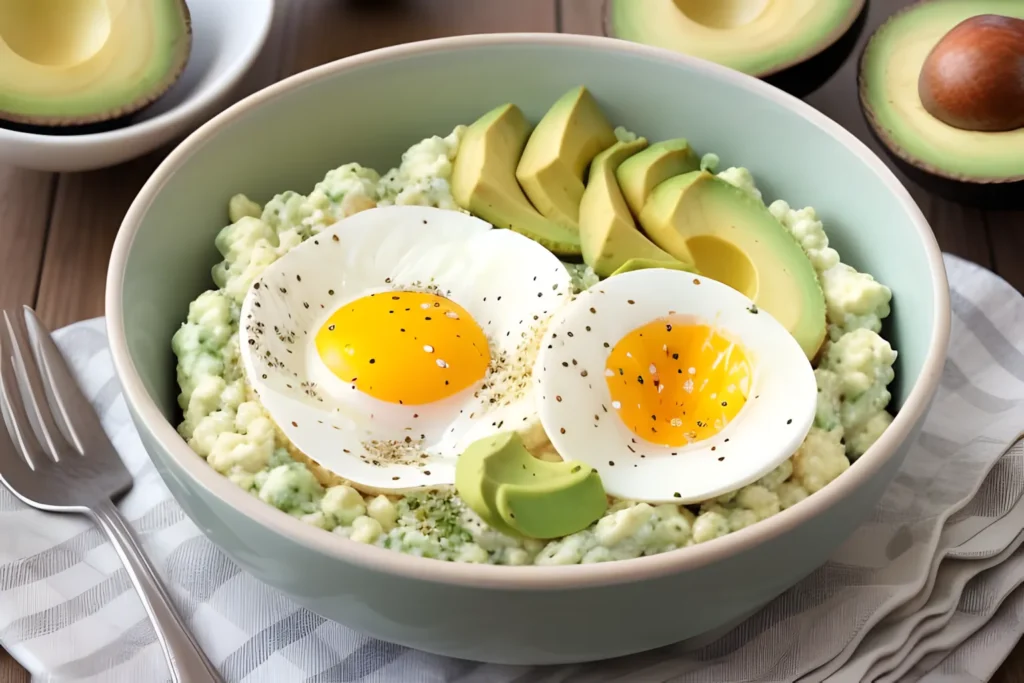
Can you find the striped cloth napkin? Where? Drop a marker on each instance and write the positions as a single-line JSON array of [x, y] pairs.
[[926, 589]]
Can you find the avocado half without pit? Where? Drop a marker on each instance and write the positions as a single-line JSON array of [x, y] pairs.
[[758, 37], [942, 85], [76, 62]]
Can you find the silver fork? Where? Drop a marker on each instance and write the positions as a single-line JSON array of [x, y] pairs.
[[56, 457]]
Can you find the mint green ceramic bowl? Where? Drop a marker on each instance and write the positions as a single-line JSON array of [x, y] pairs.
[[370, 108]]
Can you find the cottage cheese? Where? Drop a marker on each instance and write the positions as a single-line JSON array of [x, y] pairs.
[[225, 425]]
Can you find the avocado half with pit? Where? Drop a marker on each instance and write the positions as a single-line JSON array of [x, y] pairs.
[[75, 62], [758, 37], [967, 58]]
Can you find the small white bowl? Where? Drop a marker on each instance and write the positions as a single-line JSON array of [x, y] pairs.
[[227, 36]]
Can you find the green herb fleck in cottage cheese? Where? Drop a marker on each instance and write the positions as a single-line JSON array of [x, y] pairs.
[[224, 424]]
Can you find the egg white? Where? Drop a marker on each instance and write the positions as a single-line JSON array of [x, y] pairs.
[[577, 411], [509, 284]]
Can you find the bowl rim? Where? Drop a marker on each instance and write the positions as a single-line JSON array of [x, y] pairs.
[[529, 577], [173, 119]]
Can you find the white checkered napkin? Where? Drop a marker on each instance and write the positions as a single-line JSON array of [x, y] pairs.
[[926, 589]]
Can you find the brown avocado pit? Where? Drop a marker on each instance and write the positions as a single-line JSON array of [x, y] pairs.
[[973, 79], [977, 167]]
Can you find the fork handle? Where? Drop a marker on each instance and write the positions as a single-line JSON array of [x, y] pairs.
[[185, 658]]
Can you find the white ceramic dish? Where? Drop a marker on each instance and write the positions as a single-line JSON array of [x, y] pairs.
[[369, 108], [227, 37]]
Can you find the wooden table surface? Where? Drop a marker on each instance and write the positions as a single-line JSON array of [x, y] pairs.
[[56, 230]]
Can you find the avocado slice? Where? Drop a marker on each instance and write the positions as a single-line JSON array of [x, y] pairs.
[[475, 487], [484, 181], [75, 62], [640, 173], [520, 495], [757, 38], [889, 74], [608, 235], [733, 238], [560, 148], [645, 263]]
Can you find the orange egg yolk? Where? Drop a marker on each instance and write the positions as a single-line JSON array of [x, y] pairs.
[[674, 382], [404, 347]]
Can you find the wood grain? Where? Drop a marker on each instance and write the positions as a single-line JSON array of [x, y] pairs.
[[326, 31], [86, 215], [11, 671], [960, 230], [1006, 229], [1012, 670], [25, 198], [581, 16]]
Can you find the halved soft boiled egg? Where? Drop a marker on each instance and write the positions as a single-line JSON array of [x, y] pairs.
[[385, 345], [675, 387]]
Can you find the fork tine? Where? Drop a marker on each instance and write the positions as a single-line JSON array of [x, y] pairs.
[[14, 468], [19, 428], [27, 371], [71, 407]]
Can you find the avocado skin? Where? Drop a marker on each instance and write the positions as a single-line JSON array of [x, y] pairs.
[[56, 112], [732, 237], [484, 182]]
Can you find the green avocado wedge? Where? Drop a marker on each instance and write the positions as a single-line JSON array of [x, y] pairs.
[[484, 180], [553, 164], [645, 170], [645, 263], [608, 233], [733, 238], [520, 495]]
